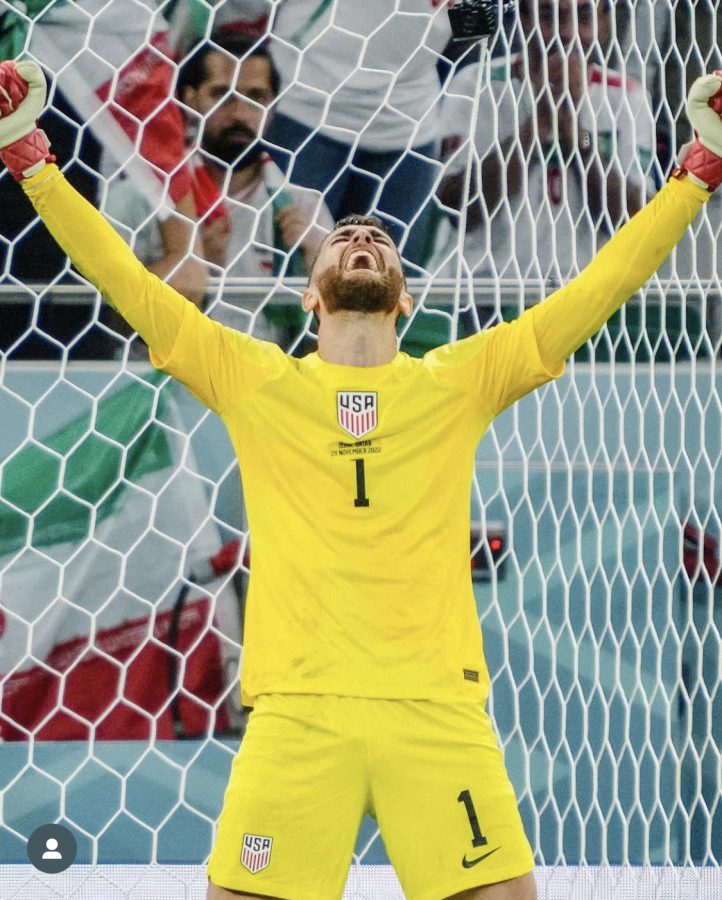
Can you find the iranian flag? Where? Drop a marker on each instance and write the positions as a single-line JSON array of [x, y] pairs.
[[117, 617]]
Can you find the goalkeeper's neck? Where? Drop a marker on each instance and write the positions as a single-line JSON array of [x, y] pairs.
[[351, 338]]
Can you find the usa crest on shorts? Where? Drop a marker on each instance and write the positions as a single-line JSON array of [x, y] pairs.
[[357, 412], [256, 852]]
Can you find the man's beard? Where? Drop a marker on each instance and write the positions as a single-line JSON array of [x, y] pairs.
[[340, 290], [235, 154]]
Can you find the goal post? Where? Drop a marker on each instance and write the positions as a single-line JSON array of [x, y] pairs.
[[596, 500]]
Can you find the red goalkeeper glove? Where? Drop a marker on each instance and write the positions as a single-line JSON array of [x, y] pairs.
[[701, 159], [24, 148]]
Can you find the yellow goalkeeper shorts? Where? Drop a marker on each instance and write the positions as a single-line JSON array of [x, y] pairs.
[[309, 767]]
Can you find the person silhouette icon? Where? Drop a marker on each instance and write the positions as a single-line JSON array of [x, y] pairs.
[[52, 851], [52, 848]]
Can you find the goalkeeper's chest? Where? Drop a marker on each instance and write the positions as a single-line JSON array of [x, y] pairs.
[[347, 414], [408, 434], [353, 449]]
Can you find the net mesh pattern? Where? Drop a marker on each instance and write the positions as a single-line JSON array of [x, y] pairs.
[[189, 883], [601, 610]]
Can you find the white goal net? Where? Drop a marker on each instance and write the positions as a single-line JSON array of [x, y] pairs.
[[597, 500]]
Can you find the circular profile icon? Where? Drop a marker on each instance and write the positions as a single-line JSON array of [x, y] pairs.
[[52, 848]]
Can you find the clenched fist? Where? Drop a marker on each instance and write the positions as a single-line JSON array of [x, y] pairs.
[[701, 159], [24, 148]]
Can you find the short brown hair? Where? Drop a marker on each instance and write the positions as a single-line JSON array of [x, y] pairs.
[[356, 219]]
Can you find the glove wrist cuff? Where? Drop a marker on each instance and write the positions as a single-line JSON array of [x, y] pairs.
[[27, 155], [701, 164]]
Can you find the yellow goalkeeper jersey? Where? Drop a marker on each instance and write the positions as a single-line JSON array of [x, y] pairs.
[[357, 484], [357, 480]]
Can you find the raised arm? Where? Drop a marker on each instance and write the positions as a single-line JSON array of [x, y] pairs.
[[153, 308], [570, 316]]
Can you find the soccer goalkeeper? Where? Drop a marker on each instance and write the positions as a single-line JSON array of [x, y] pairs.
[[363, 656]]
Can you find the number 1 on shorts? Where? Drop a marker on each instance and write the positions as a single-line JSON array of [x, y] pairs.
[[478, 839]]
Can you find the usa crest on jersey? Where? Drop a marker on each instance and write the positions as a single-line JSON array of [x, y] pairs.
[[256, 852], [357, 412]]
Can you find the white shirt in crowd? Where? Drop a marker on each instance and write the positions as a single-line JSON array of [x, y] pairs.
[[373, 63]]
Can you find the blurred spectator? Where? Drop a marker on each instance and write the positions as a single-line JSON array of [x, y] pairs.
[[565, 147], [356, 119], [191, 21], [112, 62], [637, 47], [252, 223], [30, 257], [691, 45], [274, 227]]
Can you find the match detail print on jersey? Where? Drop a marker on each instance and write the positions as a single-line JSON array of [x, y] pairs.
[[357, 412]]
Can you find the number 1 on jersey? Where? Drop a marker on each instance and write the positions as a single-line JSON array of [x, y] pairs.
[[361, 499]]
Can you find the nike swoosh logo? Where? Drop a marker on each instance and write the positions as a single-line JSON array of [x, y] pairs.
[[468, 863]]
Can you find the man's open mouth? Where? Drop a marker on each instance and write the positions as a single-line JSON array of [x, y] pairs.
[[362, 259]]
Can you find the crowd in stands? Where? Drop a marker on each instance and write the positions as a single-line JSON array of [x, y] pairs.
[[225, 144]]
